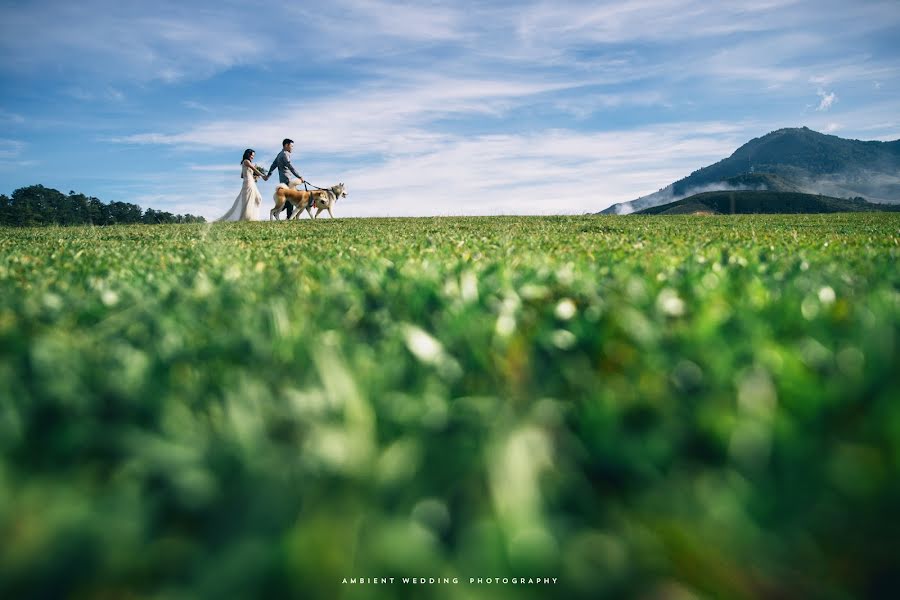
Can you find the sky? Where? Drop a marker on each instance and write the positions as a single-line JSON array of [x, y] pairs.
[[431, 107]]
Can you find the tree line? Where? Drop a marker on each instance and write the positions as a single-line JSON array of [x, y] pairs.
[[38, 205]]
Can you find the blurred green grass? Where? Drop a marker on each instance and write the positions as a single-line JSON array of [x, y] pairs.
[[641, 407]]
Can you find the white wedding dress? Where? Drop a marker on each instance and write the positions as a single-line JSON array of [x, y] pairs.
[[246, 205]]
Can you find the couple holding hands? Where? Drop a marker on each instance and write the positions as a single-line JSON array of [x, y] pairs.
[[246, 205]]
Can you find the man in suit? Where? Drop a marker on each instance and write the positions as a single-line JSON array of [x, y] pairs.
[[282, 162]]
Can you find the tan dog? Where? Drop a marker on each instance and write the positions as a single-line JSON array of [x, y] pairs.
[[300, 199], [303, 199]]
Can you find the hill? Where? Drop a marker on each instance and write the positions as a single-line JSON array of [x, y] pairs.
[[762, 202], [792, 160]]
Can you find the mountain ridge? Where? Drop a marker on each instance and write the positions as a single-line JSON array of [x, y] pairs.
[[764, 202], [802, 160]]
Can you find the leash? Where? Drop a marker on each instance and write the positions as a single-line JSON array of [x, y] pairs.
[[315, 186]]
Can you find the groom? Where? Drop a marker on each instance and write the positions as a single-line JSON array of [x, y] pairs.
[[282, 162]]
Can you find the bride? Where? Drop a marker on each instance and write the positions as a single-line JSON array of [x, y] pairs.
[[246, 205]]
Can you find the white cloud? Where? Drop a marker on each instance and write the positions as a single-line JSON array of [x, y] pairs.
[[216, 168], [827, 99], [10, 149], [588, 104], [106, 93], [172, 41], [873, 121], [614, 22], [550, 172], [11, 156], [11, 117], [391, 118], [120, 41], [854, 68], [193, 104], [411, 166], [394, 20]]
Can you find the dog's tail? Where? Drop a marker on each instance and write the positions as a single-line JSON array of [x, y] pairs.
[[279, 201], [280, 186]]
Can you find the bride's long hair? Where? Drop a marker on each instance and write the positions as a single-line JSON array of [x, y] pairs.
[[246, 156]]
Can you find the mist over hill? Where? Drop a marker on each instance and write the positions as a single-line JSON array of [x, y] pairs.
[[792, 160], [764, 202]]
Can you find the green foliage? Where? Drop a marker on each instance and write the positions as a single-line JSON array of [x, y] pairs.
[[641, 407], [36, 205], [750, 202], [760, 181]]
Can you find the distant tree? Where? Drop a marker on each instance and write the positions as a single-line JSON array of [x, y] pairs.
[[124, 212], [35, 205], [38, 205], [189, 219], [5, 215], [149, 217], [79, 207], [98, 213], [158, 216]]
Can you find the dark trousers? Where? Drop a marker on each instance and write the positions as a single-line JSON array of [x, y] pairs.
[[287, 205]]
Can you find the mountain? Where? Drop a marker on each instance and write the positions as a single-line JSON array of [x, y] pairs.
[[763, 202], [792, 160]]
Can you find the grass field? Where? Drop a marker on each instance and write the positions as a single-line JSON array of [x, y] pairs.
[[652, 407]]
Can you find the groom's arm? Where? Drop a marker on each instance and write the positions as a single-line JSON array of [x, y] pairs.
[[273, 167], [287, 163]]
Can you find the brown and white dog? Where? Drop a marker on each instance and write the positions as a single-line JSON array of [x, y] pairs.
[[321, 199], [326, 200]]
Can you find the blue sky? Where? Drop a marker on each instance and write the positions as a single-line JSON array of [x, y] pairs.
[[427, 108]]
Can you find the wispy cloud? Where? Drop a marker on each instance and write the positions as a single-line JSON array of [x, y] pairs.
[[229, 168], [11, 155], [10, 149], [123, 41], [873, 121], [557, 171], [827, 99], [11, 117], [196, 106], [345, 20], [106, 93], [392, 118], [616, 22]]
